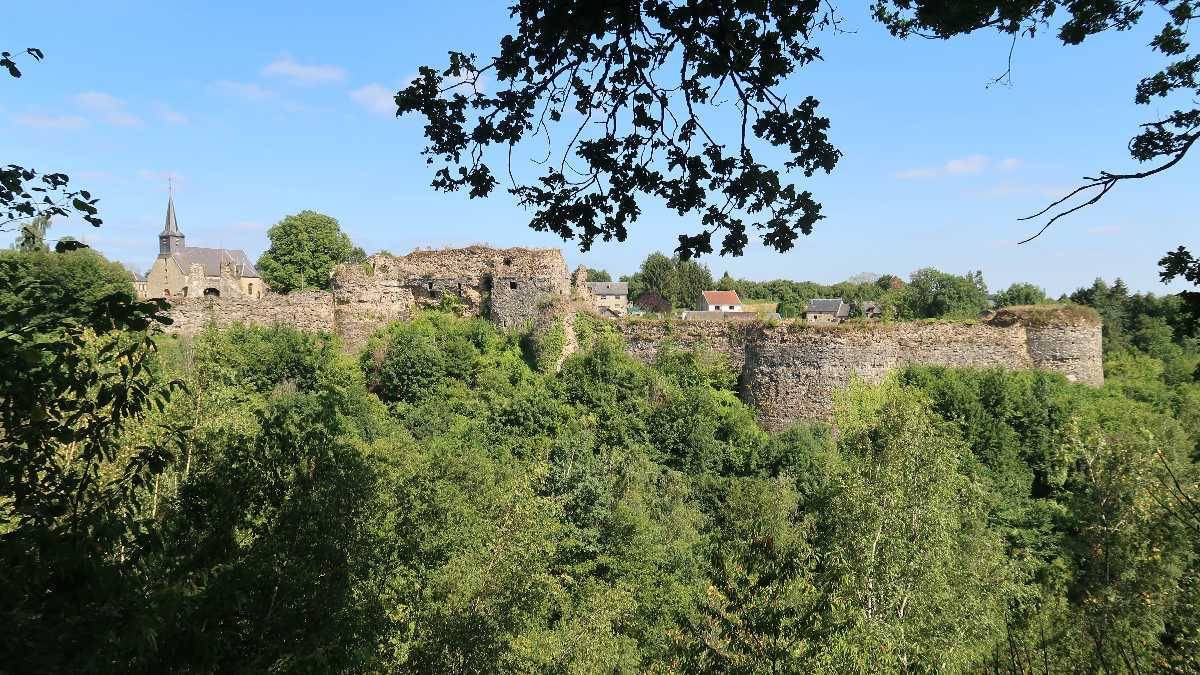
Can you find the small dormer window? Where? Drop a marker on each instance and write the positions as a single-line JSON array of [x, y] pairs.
[[512, 285]]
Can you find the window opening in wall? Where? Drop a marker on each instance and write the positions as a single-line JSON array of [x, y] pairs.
[[487, 284], [251, 286], [185, 291], [508, 261], [431, 286], [166, 292], [512, 284], [212, 292]]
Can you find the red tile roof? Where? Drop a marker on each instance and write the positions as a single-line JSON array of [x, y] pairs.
[[721, 298]]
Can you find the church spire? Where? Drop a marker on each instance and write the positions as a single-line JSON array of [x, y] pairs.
[[170, 240], [171, 227]]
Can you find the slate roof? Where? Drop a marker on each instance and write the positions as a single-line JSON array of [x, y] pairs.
[[833, 306], [608, 287], [211, 259], [721, 298], [170, 227]]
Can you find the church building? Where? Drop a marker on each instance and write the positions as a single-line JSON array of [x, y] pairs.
[[190, 271]]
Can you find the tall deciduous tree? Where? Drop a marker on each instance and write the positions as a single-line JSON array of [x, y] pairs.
[[305, 248], [932, 293], [912, 567], [33, 235]]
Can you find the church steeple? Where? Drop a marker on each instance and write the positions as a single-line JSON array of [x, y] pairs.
[[170, 240]]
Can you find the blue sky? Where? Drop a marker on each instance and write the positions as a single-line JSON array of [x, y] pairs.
[[264, 110]]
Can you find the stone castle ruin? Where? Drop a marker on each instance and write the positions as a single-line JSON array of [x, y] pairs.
[[515, 287], [788, 369]]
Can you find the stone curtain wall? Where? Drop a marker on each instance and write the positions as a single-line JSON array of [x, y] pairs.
[[790, 371], [645, 337], [305, 310], [513, 286], [1073, 350]]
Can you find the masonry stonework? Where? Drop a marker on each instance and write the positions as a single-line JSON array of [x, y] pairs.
[[789, 370], [513, 286]]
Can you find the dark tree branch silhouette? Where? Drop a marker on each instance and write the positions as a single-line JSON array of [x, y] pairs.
[[26, 194], [639, 90]]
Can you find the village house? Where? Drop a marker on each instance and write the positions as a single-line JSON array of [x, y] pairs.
[[610, 297], [139, 284], [720, 301], [826, 311], [188, 271], [871, 309]]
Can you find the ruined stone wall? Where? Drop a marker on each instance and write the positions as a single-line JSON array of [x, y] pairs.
[[645, 337], [1073, 350], [790, 370], [304, 310], [513, 286]]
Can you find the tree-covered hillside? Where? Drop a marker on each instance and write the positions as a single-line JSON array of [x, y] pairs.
[[255, 499]]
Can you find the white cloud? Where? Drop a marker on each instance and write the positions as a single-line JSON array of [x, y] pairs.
[[244, 90], [375, 98], [51, 121], [286, 67], [110, 108], [962, 166], [169, 115], [966, 165]]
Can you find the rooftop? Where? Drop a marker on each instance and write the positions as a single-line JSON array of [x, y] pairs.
[[721, 298], [608, 287], [211, 260], [833, 306]]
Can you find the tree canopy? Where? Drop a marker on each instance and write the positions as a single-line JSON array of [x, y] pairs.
[[305, 247], [679, 282]]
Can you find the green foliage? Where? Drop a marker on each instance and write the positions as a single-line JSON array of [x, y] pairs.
[[74, 529], [549, 347], [305, 247], [598, 275], [1020, 294], [1064, 464], [33, 235], [931, 294], [446, 501], [913, 568], [677, 281], [55, 287]]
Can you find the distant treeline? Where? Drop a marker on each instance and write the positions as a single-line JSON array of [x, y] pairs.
[[664, 284]]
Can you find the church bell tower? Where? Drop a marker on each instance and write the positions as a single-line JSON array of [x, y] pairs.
[[170, 240]]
